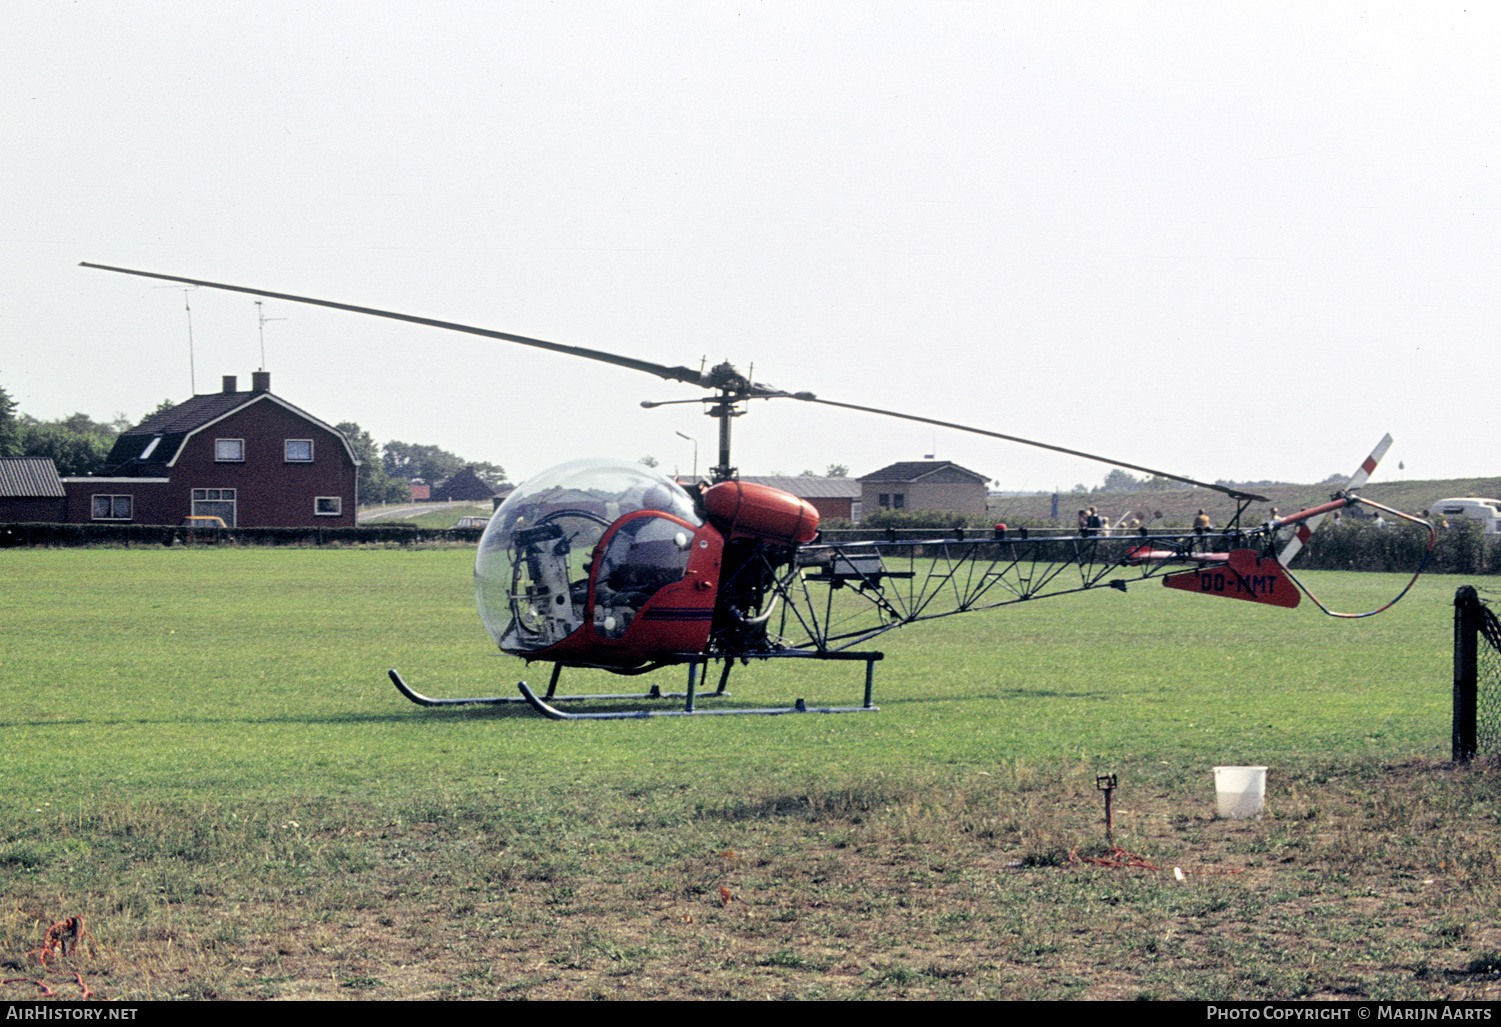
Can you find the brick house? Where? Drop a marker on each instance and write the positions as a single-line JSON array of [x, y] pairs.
[[924, 485], [251, 458]]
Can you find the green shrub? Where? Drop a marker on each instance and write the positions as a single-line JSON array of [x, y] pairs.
[[1462, 548]]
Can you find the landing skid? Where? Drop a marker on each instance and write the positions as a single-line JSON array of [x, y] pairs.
[[502, 700], [696, 663]]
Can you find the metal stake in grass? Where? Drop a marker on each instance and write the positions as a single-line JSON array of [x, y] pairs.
[[1107, 784]]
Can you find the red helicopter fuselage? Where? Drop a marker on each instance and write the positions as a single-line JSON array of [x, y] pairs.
[[613, 565]]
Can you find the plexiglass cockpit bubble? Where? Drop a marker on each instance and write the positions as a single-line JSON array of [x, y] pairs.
[[531, 576]]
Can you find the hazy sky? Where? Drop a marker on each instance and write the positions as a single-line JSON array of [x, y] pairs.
[[1231, 240]]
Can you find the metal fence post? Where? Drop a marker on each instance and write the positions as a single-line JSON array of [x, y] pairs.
[[1466, 637]]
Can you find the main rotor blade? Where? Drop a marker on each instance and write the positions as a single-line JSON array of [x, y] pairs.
[[672, 374], [1233, 493]]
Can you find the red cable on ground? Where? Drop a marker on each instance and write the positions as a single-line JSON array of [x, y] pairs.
[[1116, 859]]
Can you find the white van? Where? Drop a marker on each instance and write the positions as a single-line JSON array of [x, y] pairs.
[[1486, 511]]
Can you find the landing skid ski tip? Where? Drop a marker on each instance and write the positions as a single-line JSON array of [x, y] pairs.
[[504, 700], [427, 700]]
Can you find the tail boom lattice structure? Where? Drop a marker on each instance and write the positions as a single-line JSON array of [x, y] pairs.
[[873, 587]]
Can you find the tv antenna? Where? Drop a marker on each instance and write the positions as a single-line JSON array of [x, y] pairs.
[[192, 373], [260, 316]]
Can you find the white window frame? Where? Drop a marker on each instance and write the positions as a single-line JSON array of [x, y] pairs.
[[219, 451], [220, 496], [337, 502], [287, 451], [112, 500]]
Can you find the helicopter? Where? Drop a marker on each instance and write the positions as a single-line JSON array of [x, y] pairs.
[[610, 565]]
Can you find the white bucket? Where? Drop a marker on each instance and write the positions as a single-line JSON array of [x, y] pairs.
[[1239, 791]]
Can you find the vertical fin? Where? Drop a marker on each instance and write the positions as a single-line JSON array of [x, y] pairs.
[[1360, 477]]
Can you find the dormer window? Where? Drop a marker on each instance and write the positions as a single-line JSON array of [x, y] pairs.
[[299, 451], [229, 451]]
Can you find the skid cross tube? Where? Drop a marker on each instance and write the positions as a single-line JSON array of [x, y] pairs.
[[695, 662]]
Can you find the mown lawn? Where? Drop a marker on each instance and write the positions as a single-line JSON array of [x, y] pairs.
[[206, 761]]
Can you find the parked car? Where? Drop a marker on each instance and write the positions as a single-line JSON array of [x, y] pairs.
[[204, 522], [472, 522]]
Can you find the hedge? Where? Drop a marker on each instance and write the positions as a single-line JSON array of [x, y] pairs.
[[1463, 548]]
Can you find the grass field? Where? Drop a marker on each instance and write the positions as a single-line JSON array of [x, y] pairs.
[[447, 517], [204, 759]]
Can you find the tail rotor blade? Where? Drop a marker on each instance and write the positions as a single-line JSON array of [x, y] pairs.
[[1360, 477]]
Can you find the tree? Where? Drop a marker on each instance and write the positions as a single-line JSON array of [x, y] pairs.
[[492, 475], [76, 444], [1119, 481], [837, 471], [407, 461], [10, 430], [375, 485]]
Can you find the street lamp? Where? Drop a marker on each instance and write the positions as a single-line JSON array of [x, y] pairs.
[[691, 439]]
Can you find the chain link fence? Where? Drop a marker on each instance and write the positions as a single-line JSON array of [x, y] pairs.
[[1477, 677]]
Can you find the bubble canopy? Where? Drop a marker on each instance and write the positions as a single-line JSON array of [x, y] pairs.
[[531, 574]]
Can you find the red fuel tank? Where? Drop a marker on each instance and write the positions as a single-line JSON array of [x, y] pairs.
[[758, 511]]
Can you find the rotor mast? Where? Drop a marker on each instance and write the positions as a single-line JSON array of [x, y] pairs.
[[733, 387], [723, 410]]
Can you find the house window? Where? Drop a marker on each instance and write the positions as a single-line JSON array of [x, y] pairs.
[[898, 501], [113, 508], [215, 503], [299, 451], [885, 500], [229, 451], [328, 506]]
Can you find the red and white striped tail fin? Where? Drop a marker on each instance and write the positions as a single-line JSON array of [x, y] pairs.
[[1360, 477]]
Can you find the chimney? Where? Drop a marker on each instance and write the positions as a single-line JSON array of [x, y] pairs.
[[229, 383], [260, 381]]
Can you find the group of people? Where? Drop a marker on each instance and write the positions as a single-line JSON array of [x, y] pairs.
[[1092, 522]]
